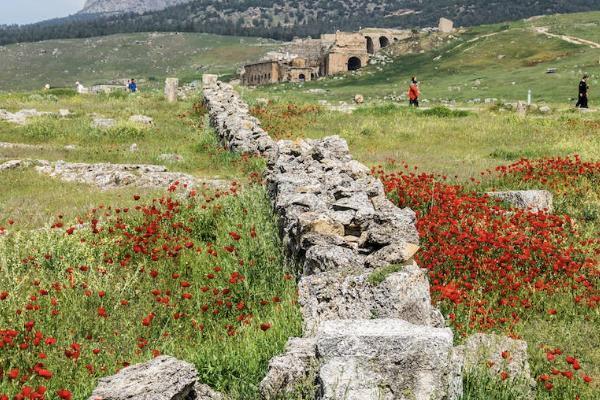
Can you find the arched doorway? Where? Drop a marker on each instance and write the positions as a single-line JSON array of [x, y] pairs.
[[354, 63], [384, 42], [370, 47], [301, 77]]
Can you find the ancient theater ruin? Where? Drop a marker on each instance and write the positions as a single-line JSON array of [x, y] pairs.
[[307, 59]]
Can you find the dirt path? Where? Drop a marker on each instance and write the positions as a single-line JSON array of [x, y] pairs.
[[571, 39]]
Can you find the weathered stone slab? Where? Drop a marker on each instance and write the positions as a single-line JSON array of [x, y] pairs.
[[533, 200], [383, 359], [163, 378]]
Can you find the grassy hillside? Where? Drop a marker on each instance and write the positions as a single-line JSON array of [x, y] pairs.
[[494, 61], [286, 19], [148, 56]]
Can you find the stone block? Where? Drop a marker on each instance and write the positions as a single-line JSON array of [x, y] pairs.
[[383, 359], [533, 200]]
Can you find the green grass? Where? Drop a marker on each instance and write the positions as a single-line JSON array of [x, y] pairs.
[[451, 143], [179, 128], [228, 341], [32, 201], [149, 57]]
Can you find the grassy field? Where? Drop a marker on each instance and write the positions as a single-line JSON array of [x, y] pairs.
[[201, 279], [458, 144], [178, 128], [500, 61], [149, 57]]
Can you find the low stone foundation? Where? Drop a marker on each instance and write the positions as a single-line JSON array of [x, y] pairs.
[[370, 329]]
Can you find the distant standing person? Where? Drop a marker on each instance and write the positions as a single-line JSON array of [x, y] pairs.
[[582, 99], [132, 86], [413, 92]]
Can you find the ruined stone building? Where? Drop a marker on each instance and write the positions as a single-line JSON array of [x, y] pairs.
[[307, 59]]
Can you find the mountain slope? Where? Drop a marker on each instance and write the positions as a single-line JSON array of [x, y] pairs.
[[286, 19], [120, 6]]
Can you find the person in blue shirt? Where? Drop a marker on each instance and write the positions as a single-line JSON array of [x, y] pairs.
[[132, 86]]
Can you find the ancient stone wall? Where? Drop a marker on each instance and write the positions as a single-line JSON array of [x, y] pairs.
[[370, 331]]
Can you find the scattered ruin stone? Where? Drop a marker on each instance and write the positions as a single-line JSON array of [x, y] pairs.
[[170, 157], [359, 99], [533, 200], [171, 85], [109, 176], [545, 110], [163, 378], [70, 147], [141, 119], [521, 108], [12, 164], [133, 148], [383, 359], [209, 80], [445, 25], [103, 123], [7, 145], [21, 117], [291, 369], [64, 113], [495, 354]]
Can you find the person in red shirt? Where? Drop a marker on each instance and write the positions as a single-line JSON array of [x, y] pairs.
[[413, 92]]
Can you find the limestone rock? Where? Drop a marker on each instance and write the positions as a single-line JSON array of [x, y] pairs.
[[521, 109], [171, 85], [445, 25], [209, 80], [163, 378], [142, 120], [205, 392], [533, 200], [359, 99], [292, 368], [103, 123], [402, 293], [545, 110], [383, 359], [109, 176]]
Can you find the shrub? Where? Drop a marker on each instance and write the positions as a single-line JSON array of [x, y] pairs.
[[123, 132], [42, 129]]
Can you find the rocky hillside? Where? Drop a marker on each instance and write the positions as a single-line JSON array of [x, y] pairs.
[[284, 19], [119, 6]]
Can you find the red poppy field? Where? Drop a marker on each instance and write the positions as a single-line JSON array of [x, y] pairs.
[[530, 275], [199, 276]]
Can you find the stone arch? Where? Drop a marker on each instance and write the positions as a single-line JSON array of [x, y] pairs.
[[370, 46], [354, 63], [384, 42], [301, 77]]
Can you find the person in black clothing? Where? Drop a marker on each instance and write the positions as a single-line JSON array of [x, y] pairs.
[[582, 100]]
